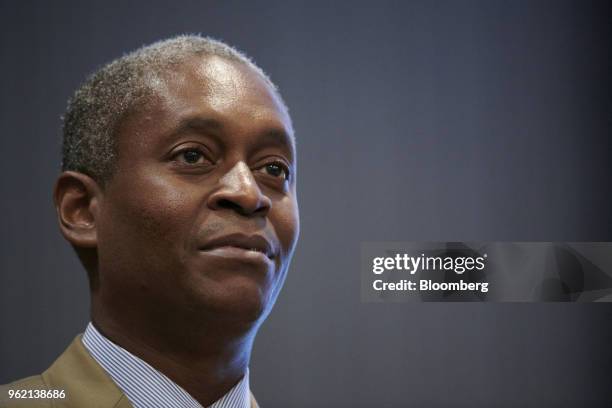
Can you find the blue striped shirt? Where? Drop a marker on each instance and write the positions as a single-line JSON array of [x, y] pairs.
[[146, 387]]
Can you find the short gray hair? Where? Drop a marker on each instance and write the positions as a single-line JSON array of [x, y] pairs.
[[98, 106]]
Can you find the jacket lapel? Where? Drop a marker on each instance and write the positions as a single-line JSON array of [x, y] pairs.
[[85, 383]]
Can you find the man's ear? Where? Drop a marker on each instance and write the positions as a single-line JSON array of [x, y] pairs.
[[76, 197]]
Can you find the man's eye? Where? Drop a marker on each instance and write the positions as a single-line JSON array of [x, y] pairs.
[[191, 156], [277, 170]]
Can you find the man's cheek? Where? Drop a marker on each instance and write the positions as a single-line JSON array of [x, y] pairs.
[[291, 220], [156, 211], [288, 228]]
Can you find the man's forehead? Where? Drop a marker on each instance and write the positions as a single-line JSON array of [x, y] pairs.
[[223, 87]]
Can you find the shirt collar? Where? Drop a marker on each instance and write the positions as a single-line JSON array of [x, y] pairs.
[[146, 387]]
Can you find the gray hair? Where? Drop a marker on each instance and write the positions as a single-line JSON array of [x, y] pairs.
[[98, 106]]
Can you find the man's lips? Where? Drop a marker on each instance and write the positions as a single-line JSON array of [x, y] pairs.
[[256, 243]]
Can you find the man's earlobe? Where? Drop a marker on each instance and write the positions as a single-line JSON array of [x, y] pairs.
[[76, 197]]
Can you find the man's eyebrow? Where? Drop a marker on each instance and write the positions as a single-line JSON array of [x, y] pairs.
[[273, 137], [277, 137], [197, 123]]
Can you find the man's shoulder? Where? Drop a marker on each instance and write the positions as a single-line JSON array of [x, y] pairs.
[[27, 382], [75, 379], [253, 401], [17, 393]]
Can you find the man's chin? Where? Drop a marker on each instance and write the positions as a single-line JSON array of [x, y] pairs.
[[238, 301]]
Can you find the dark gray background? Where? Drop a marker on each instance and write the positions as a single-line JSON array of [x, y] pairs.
[[437, 121]]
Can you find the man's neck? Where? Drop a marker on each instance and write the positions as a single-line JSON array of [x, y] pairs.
[[206, 362]]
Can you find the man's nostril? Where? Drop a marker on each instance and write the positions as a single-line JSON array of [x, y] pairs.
[[229, 204]]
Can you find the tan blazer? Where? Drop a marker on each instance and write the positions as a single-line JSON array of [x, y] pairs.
[[84, 381]]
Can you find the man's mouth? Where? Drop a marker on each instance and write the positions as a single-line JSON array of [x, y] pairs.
[[241, 242]]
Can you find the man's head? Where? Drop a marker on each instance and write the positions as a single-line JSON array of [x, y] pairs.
[[123, 85], [178, 189]]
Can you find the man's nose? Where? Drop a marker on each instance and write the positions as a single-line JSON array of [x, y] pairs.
[[238, 190]]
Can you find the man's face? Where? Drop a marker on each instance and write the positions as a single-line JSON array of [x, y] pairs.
[[200, 216]]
